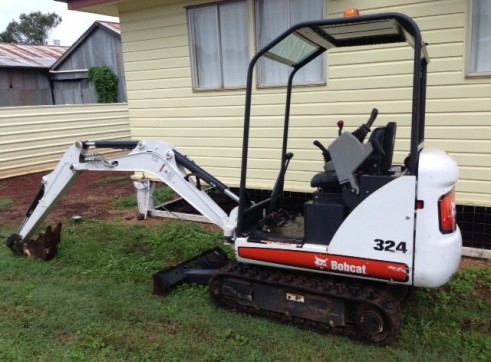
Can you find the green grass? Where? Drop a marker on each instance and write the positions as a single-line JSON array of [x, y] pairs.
[[94, 302], [126, 202], [5, 203], [113, 180], [161, 194]]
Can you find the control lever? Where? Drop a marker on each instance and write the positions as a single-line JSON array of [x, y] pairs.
[[348, 152], [278, 187], [340, 126], [288, 157], [325, 152], [364, 129]]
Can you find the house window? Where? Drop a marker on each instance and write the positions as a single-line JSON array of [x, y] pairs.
[[272, 18], [219, 45], [479, 49]]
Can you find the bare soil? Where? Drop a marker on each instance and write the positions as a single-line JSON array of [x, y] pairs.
[[466, 262], [91, 196]]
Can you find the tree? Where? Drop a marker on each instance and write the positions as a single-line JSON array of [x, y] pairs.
[[33, 28]]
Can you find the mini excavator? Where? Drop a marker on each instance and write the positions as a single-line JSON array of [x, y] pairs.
[[370, 231]]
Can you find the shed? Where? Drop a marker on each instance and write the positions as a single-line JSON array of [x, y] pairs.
[[24, 73], [99, 46]]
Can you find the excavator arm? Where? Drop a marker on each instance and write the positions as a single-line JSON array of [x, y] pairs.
[[157, 158]]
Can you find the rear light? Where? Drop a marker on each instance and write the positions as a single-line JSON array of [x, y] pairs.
[[447, 212]]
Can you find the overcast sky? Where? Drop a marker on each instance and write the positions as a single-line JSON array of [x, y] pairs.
[[73, 25]]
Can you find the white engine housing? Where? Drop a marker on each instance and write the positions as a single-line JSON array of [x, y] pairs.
[[387, 237], [437, 255]]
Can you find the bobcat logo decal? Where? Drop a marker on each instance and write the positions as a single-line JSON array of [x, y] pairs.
[[321, 263]]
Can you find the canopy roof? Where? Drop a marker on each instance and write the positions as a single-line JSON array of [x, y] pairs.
[[303, 41]]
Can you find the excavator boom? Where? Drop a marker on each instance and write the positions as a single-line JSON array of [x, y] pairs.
[[157, 159]]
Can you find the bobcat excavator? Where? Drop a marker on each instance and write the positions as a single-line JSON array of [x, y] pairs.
[[370, 232]]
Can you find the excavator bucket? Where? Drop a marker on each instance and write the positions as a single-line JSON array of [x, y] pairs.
[[198, 270], [45, 247]]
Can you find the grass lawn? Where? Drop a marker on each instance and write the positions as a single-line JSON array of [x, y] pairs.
[[94, 302]]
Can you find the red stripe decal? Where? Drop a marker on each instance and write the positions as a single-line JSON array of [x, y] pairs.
[[333, 263]]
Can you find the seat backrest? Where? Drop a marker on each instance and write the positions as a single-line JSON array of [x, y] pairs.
[[377, 164], [388, 145]]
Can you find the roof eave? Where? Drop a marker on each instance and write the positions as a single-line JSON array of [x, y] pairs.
[[103, 7]]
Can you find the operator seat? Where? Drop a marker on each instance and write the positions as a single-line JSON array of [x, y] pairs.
[[326, 181], [380, 160]]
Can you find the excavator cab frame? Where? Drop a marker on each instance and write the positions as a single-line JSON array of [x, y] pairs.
[[306, 41]]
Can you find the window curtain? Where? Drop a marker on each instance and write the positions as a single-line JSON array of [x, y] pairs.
[[220, 46], [206, 46], [313, 72], [272, 19], [276, 16], [234, 42], [480, 57]]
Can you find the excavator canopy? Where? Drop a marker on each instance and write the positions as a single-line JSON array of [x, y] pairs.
[[302, 43], [308, 39]]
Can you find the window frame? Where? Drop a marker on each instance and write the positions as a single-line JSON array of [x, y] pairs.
[[263, 85], [468, 48], [192, 54]]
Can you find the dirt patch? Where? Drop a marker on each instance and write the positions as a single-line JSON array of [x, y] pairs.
[[466, 262], [91, 196]]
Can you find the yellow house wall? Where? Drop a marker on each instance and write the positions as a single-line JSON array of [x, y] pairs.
[[33, 139], [207, 125]]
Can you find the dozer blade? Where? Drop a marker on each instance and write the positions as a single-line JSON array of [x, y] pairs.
[[45, 247], [198, 270]]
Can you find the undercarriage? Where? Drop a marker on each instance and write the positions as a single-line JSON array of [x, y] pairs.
[[334, 305]]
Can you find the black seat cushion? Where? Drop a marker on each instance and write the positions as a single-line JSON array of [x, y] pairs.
[[326, 180]]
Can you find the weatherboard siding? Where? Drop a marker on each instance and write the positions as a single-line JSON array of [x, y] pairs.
[[207, 125], [34, 139]]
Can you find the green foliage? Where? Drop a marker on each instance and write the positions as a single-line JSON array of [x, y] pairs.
[[105, 83], [33, 28], [94, 302], [160, 195], [5, 203]]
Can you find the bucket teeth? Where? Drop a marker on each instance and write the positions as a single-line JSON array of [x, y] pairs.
[[15, 244], [45, 247]]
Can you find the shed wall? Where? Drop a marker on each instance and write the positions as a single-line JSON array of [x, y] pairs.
[[99, 49], [208, 125], [24, 87]]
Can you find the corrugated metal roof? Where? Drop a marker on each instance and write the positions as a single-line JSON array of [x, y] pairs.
[[31, 56], [111, 26]]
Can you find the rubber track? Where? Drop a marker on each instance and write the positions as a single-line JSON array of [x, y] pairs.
[[356, 294]]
